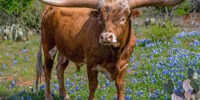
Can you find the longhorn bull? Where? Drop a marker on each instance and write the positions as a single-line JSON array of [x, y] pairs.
[[95, 32]]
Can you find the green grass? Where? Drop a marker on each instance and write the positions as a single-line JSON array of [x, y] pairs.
[[23, 73]]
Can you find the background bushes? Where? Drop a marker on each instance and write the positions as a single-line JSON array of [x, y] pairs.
[[27, 15], [19, 19], [24, 12]]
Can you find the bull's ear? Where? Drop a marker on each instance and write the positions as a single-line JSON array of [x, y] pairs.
[[135, 13], [94, 14]]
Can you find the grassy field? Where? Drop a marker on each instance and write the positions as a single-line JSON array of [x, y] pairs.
[[150, 66]]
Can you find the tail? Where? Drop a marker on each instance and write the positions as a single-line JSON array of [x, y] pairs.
[[39, 66]]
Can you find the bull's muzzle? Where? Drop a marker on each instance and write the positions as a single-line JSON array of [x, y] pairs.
[[107, 39]]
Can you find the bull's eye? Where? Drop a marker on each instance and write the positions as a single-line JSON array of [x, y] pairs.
[[122, 20]]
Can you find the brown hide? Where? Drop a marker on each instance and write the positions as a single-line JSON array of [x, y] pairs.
[[76, 36]]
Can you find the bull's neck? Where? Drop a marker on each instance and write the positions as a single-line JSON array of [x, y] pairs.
[[124, 40], [126, 37]]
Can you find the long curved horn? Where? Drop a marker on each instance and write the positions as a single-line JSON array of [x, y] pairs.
[[72, 3], [143, 3]]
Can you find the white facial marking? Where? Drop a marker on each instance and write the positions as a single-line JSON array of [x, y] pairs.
[[104, 71], [114, 40]]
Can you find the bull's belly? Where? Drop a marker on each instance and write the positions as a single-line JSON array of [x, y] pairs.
[[73, 54], [75, 58]]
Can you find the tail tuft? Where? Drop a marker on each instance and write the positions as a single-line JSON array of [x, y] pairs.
[[39, 67]]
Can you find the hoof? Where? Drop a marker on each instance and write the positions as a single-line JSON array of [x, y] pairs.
[[66, 97], [48, 97]]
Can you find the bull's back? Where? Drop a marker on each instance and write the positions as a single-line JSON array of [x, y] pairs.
[[66, 28]]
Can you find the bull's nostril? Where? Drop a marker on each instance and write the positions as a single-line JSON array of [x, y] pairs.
[[110, 37]]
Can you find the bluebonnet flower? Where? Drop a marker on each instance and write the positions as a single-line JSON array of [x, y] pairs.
[[4, 66], [67, 82], [28, 98], [67, 87], [81, 87], [104, 86], [133, 80], [52, 93], [71, 91], [12, 96], [14, 61], [31, 89], [101, 98], [27, 58], [141, 92], [107, 83], [128, 97], [24, 50], [166, 97], [77, 87], [79, 97], [56, 85], [13, 83], [105, 96], [24, 91], [75, 76], [72, 84], [9, 86], [81, 82]]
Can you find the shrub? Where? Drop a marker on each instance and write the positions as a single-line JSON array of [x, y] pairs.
[[14, 32], [162, 32]]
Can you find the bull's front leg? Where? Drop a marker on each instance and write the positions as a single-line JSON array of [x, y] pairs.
[[93, 81], [120, 83]]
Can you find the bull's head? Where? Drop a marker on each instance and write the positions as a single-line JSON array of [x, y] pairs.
[[114, 15]]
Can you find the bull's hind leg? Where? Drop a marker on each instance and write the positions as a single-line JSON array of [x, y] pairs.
[[48, 65], [93, 81], [60, 68]]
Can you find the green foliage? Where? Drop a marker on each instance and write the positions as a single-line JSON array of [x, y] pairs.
[[14, 6], [184, 9], [162, 32], [31, 18]]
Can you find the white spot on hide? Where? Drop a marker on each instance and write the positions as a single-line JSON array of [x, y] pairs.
[[52, 52]]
